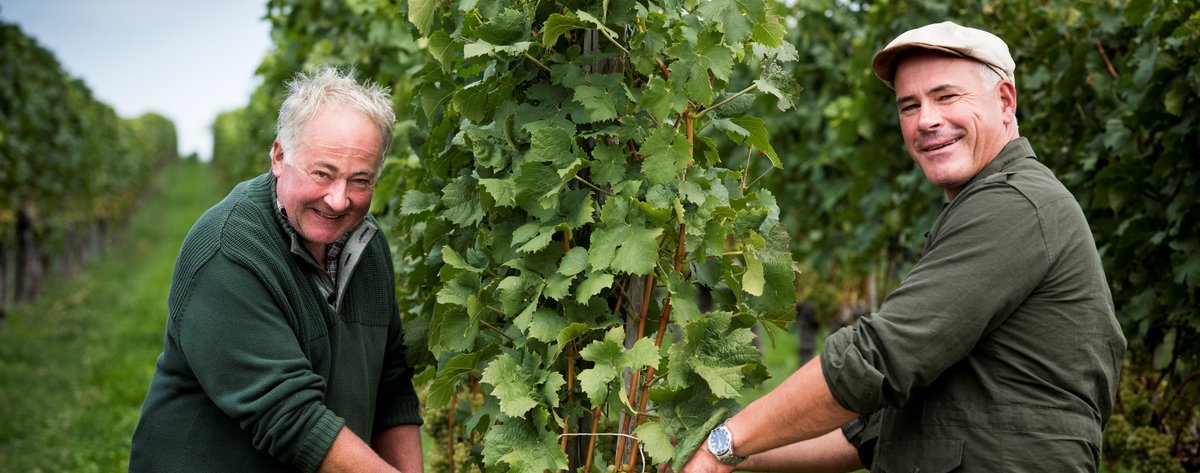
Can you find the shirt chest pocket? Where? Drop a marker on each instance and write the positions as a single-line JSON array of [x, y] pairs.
[[919, 456]]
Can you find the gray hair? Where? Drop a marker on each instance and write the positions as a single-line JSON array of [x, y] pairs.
[[991, 79], [309, 93], [989, 75]]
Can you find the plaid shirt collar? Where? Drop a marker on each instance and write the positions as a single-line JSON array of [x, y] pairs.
[[332, 250]]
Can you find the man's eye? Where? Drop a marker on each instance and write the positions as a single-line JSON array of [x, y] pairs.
[[908, 108], [947, 97], [320, 174]]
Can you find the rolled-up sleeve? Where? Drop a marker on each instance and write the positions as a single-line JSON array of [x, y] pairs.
[[984, 257]]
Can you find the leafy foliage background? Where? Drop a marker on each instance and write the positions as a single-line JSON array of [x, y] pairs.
[[486, 186]]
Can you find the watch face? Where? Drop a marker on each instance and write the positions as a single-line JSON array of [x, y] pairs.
[[719, 441]]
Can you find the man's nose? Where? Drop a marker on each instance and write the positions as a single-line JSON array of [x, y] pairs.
[[338, 199], [930, 118]]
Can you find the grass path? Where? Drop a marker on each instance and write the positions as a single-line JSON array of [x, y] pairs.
[[75, 364]]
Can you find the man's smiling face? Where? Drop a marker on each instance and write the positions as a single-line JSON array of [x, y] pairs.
[[327, 183], [954, 122]]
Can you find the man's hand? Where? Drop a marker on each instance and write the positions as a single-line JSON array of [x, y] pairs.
[[703, 461]]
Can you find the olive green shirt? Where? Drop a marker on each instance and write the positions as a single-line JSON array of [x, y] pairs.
[[1000, 351]]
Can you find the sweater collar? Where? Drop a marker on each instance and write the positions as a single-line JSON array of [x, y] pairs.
[[365, 229]]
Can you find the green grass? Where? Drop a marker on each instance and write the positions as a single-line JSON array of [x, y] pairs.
[[75, 364]]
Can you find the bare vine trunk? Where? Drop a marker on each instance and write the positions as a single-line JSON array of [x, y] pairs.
[[31, 271]]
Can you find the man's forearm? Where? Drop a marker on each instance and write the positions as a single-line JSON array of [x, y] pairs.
[[800, 408], [350, 454], [829, 453], [400, 446]]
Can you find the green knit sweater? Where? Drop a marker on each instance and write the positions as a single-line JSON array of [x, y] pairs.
[[259, 373]]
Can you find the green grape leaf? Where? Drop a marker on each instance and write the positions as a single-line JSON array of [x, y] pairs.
[[770, 32], [448, 377], [723, 381], [504, 28], [642, 354], [638, 252], [557, 288], [417, 202], [510, 386], [592, 286], [557, 25], [503, 190], [578, 208], [608, 166], [523, 447], [597, 101], [656, 441], [455, 260], [727, 14], [459, 291], [589, 19], [444, 49], [574, 262], [759, 137], [660, 100], [595, 382], [422, 14], [753, 279], [461, 198], [550, 145], [666, 156]]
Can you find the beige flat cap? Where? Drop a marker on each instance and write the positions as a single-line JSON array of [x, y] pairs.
[[947, 37]]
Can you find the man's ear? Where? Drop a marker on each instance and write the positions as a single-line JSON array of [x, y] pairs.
[[276, 158], [1008, 100]]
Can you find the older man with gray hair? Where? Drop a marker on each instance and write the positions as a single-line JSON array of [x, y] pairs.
[[283, 349], [1000, 350]]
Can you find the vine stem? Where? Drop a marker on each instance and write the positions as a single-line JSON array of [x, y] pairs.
[[665, 316], [727, 100], [746, 169], [593, 186], [633, 383], [595, 434], [592, 443], [612, 40], [658, 340], [450, 440], [661, 67], [1162, 375], [570, 395], [1175, 394], [496, 329], [620, 297], [536, 61], [1107, 62], [641, 408]]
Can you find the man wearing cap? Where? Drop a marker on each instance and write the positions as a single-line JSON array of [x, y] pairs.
[[1000, 350]]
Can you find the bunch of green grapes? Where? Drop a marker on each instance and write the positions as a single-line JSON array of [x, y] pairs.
[[1143, 449], [467, 457]]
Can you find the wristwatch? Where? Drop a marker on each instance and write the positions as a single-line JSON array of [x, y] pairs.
[[720, 443]]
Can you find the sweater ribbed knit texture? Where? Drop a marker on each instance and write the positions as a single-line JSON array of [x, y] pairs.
[[258, 373]]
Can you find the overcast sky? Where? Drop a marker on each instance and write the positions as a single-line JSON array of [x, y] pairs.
[[187, 60]]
